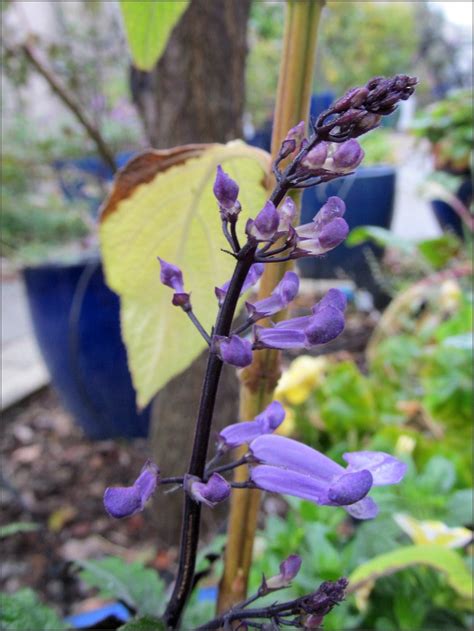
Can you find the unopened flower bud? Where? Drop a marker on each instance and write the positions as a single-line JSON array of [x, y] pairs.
[[316, 157], [296, 133], [333, 233], [233, 350], [289, 568], [125, 501], [226, 191], [348, 156], [215, 490], [265, 224], [172, 277]]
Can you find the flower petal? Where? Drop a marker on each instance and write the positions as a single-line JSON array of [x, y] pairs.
[[363, 509], [124, 501], [215, 490], [385, 469], [287, 482], [350, 488], [265, 423], [281, 451]]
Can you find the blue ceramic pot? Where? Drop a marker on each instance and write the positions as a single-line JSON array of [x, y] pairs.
[[76, 321], [369, 195]]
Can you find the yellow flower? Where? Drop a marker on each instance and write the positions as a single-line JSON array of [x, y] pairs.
[[405, 445], [429, 532], [304, 374], [449, 295]]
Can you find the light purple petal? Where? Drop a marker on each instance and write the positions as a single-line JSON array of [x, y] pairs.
[[316, 157], [286, 212], [333, 298], [350, 488], [325, 326], [333, 233], [280, 451], [252, 277], [275, 337], [385, 469], [289, 568], [233, 350], [307, 231], [281, 296], [294, 324], [364, 509], [215, 490], [348, 155], [125, 501], [265, 224], [271, 417], [334, 207], [287, 482]]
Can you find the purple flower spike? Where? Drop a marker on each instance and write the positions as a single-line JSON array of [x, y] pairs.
[[289, 467], [289, 568], [233, 350], [172, 276], [240, 433], [226, 191], [348, 156], [215, 490], [252, 277], [280, 298], [124, 501], [265, 224]]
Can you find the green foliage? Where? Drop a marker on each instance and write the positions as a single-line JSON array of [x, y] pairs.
[[148, 26], [23, 611], [139, 587], [144, 624], [447, 124], [17, 527], [379, 148], [364, 39]]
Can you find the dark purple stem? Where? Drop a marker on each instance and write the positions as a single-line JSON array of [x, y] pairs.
[[192, 509]]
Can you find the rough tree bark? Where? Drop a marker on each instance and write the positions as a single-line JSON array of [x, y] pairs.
[[195, 94], [196, 91]]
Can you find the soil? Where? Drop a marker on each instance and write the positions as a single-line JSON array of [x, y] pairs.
[[55, 477]]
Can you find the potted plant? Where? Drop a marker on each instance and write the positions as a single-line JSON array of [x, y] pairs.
[[448, 128]]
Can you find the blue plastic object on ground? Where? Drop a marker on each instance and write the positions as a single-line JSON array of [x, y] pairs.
[[88, 619], [77, 325]]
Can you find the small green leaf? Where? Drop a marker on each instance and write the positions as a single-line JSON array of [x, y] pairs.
[[380, 236], [144, 624], [148, 26], [23, 611], [17, 527], [139, 587], [438, 252], [437, 557]]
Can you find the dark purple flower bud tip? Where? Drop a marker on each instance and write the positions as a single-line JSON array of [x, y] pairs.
[[226, 190], [215, 490], [233, 350], [171, 276], [348, 155]]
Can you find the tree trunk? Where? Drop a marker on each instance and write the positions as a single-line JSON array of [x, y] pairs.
[[195, 94], [196, 91]]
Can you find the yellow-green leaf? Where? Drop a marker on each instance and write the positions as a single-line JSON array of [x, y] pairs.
[[437, 557], [148, 24], [162, 205]]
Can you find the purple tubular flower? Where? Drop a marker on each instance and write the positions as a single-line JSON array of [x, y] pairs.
[[280, 298], [215, 490], [253, 276], [289, 568], [124, 501], [172, 277], [226, 191], [233, 350], [240, 433], [324, 325], [289, 467], [327, 230], [265, 224], [348, 156]]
